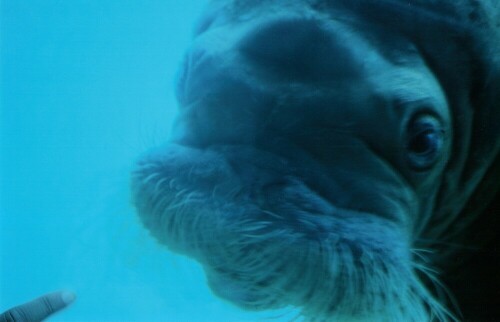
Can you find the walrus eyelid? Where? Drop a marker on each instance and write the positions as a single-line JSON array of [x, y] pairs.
[[424, 141]]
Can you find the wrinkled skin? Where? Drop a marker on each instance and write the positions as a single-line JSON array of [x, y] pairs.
[[332, 156]]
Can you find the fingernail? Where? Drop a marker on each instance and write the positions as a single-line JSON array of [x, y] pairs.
[[68, 297]]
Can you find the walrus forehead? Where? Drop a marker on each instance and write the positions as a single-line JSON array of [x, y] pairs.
[[451, 25], [425, 22], [450, 8], [404, 13]]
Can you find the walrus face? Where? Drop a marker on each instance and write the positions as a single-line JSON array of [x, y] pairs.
[[304, 163]]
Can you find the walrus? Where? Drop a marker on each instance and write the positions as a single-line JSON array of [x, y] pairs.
[[337, 156]]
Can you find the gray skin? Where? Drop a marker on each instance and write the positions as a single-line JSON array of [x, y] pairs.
[[331, 155]]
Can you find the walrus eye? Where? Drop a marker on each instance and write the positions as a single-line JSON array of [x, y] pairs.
[[424, 142]]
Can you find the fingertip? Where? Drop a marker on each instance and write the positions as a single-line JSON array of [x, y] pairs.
[[68, 297], [42, 307]]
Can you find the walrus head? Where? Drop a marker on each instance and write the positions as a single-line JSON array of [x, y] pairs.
[[325, 152]]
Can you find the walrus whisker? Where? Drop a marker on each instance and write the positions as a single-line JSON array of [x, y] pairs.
[[273, 214], [150, 177], [158, 189]]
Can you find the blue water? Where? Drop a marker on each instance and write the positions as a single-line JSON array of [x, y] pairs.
[[86, 87]]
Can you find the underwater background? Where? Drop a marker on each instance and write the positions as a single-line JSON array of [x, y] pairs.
[[86, 87]]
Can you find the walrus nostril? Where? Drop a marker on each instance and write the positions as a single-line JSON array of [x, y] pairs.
[[297, 49]]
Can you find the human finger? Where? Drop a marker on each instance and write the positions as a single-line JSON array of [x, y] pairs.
[[39, 308]]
